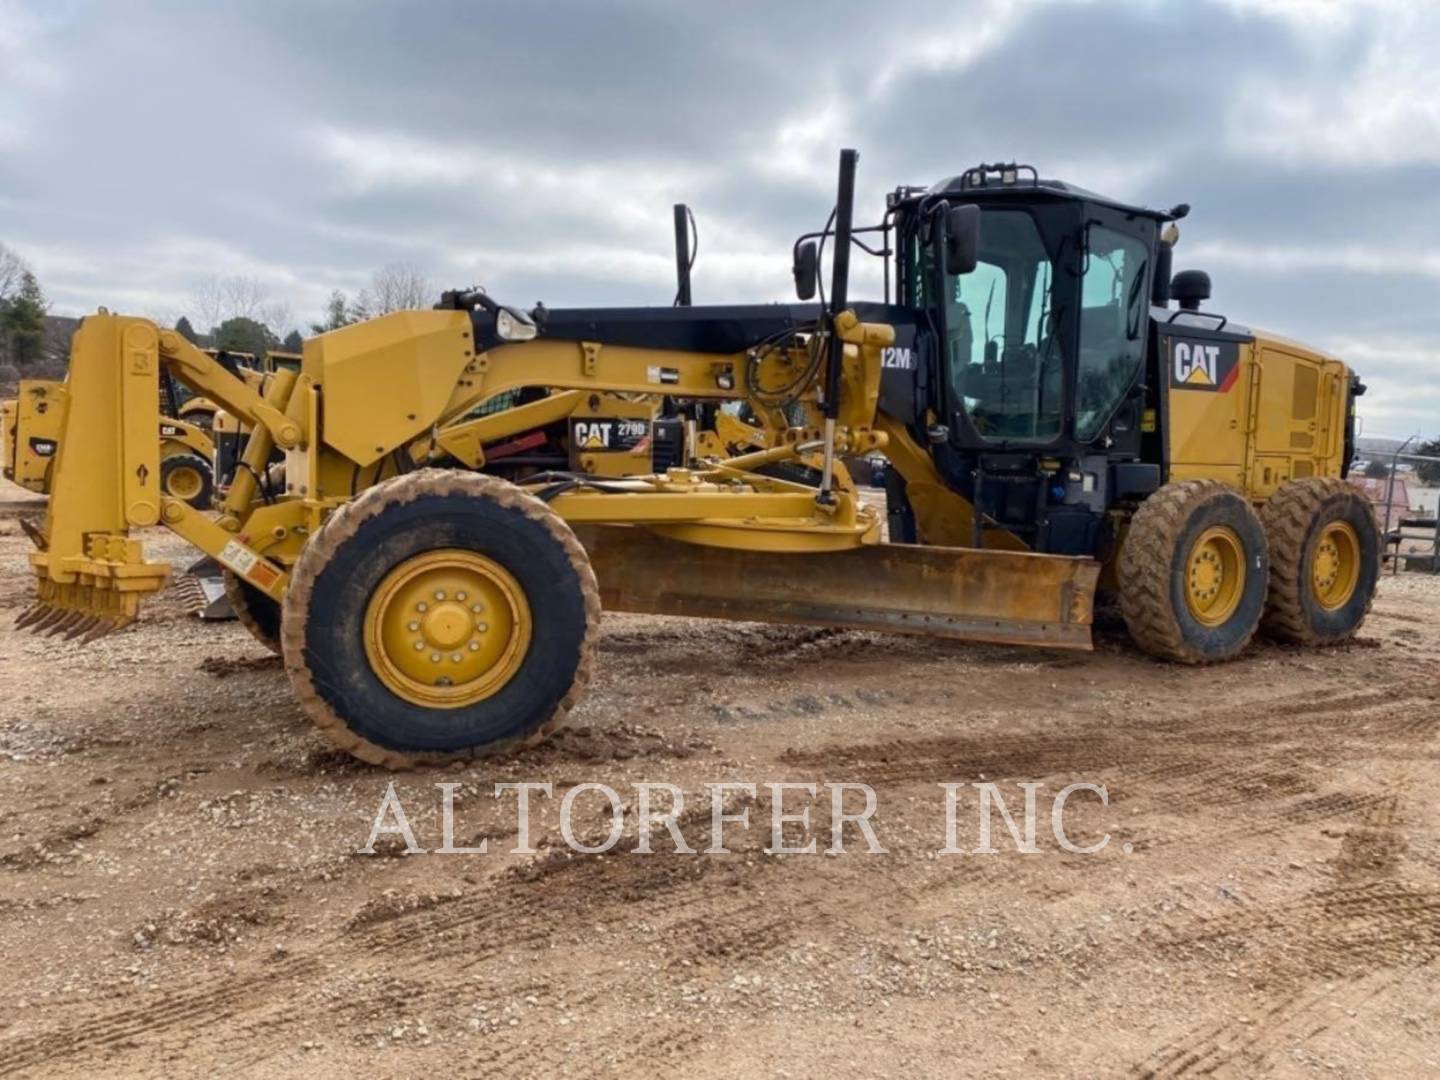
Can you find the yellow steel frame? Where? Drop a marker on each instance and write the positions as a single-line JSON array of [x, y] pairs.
[[402, 386]]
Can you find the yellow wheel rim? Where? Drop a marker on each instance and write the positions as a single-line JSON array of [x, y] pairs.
[[184, 482], [1335, 565], [447, 629], [1215, 575]]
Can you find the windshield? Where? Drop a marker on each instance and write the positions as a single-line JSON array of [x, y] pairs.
[[1003, 345], [1113, 307]]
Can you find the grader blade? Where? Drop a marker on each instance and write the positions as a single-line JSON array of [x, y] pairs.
[[1008, 597]]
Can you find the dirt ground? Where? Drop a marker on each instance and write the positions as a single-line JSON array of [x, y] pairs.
[[181, 890]]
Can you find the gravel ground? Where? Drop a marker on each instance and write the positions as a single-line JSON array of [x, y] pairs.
[[182, 890]]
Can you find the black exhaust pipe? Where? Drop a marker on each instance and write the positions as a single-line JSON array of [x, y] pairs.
[[684, 258], [840, 274], [839, 298]]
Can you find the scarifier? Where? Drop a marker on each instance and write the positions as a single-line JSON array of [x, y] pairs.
[[1051, 423]]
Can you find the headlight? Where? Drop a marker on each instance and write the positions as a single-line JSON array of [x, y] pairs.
[[512, 325]]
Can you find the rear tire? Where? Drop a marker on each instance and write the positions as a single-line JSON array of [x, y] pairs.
[[188, 477], [1324, 560], [1193, 573], [487, 584], [257, 611]]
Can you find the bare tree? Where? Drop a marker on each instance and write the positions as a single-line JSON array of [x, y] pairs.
[[216, 299], [398, 286], [12, 273], [279, 316]]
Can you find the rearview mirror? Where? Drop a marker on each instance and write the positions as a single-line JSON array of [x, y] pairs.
[[962, 239], [806, 269]]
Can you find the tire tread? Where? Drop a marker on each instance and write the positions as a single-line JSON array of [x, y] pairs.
[[1287, 518], [344, 523], [1145, 571]]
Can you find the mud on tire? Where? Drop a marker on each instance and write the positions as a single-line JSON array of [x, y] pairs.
[[364, 544], [1156, 564], [1296, 520]]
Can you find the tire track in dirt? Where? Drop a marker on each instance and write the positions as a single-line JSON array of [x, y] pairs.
[[97, 1035], [1248, 1049], [432, 952], [521, 909], [1272, 755], [701, 913], [1367, 922]]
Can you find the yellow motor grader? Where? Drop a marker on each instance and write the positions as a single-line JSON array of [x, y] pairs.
[[1050, 421]]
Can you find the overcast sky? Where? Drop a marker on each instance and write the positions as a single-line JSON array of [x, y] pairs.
[[536, 147]]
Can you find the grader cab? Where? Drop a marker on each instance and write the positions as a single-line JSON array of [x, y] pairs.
[[426, 612]]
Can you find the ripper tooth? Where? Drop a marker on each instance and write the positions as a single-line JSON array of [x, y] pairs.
[[70, 619], [51, 617], [99, 630], [84, 626]]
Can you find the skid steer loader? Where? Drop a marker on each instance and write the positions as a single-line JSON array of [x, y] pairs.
[[34, 420], [1050, 423]]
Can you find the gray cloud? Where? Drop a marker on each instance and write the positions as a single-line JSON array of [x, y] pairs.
[[536, 147]]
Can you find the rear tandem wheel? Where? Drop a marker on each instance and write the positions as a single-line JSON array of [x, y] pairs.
[[1325, 551]]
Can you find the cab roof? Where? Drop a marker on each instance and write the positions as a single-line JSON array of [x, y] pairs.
[[1022, 181]]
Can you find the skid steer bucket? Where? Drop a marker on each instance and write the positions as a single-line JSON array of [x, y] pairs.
[[1009, 597]]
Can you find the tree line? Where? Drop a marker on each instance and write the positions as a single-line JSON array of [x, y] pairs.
[[236, 312], [23, 309], [240, 315]]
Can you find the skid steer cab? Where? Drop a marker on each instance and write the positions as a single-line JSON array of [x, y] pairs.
[[1051, 424]]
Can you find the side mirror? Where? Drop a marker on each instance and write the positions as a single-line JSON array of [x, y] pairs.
[[806, 269], [962, 239]]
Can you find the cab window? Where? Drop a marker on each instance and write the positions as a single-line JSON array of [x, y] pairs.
[[1113, 310], [1003, 346]]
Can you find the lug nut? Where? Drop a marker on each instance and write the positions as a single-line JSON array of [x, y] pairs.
[[474, 646], [455, 658], [413, 625], [435, 657], [422, 606], [481, 627], [439, 594]]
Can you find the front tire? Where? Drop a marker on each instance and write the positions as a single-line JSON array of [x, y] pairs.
[[1324, 560], [1193, 573], [440, 615]]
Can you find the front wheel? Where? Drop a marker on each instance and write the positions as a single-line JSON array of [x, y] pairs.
[[1193, 572], [440, 615], [1324, 560]]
